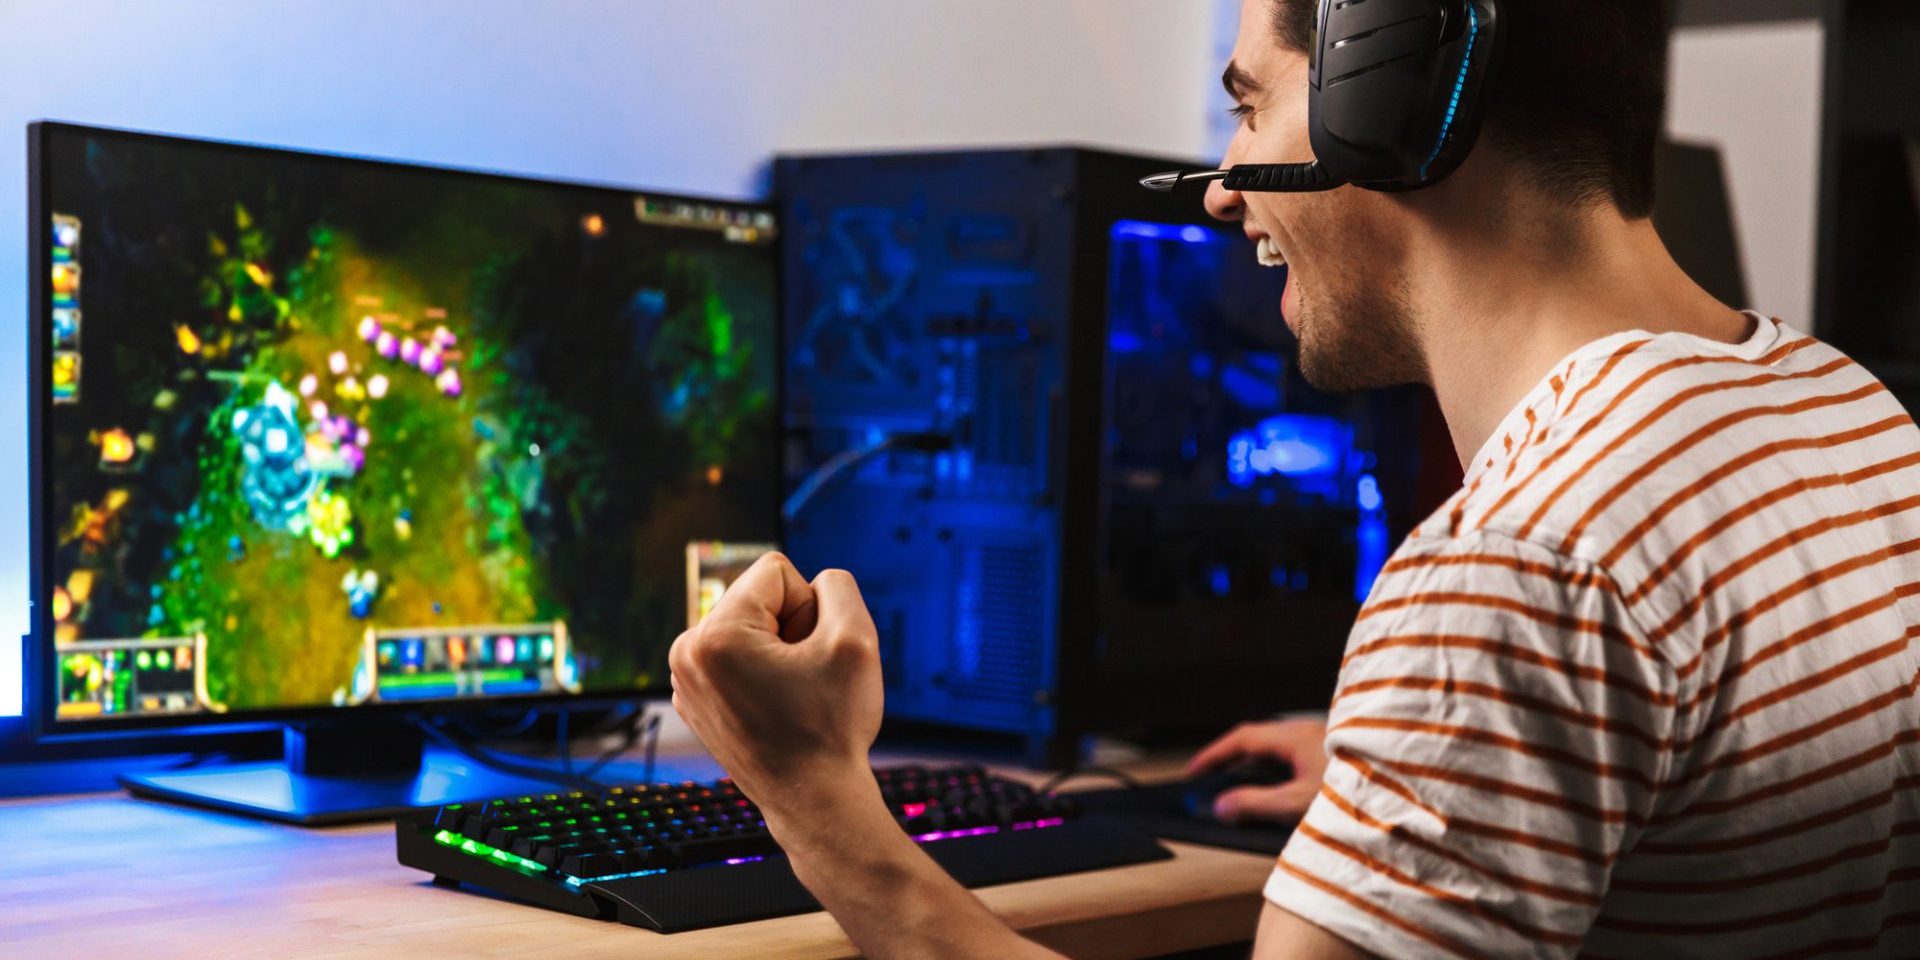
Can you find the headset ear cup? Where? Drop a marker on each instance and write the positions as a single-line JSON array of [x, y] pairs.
[[1397, 86]]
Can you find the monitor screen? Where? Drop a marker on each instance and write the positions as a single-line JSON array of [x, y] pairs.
[[320, 433]]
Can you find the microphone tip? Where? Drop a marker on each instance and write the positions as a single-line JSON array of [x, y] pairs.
[[1162, 182]]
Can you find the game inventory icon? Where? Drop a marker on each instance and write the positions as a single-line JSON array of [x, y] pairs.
[[137, 677], [66, 237], [65, 253], [443, 663], [66, 376], [66, 284], [738, 225], [66, 329], [712, 566]]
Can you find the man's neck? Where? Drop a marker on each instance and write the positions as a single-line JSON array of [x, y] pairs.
[[1501, 307]]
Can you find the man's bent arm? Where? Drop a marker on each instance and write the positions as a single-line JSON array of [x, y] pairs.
[[889, 896], [894, 901]]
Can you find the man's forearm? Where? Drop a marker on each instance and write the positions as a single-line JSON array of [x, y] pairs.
[[889, 896]]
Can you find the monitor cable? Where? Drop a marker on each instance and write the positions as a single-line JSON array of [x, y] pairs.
[[646, 723], [845, 461]]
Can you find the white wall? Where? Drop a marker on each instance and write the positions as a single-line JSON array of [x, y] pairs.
[[1754, 91], [691, 95]]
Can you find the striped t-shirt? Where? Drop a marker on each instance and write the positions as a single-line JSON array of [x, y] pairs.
[[1645, 686]]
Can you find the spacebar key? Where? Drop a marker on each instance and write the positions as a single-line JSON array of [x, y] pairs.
[[715, 849]]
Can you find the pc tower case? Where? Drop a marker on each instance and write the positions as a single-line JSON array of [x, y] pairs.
[[1053, 424]]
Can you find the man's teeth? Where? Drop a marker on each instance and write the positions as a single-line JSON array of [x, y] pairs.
[[1267, 251]]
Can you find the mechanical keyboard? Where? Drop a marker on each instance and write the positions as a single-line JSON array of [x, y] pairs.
[[680, 856]]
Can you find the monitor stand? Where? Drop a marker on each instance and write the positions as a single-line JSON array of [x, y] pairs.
[[336, 773]]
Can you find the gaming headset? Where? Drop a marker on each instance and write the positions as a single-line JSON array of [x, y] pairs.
[[1396, 91]]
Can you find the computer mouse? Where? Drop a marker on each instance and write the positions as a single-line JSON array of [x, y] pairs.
[[1198, 796]]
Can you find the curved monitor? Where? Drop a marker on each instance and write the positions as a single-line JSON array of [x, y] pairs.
[[314, 434]]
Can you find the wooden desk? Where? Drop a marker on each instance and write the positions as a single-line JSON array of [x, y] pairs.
[[104, 875]]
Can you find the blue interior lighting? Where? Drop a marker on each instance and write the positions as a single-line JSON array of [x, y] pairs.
[[1459, 84], [1371, 546], [1183, 232], [1292, 444]]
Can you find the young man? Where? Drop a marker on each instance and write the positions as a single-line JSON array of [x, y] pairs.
[[1645, 687]]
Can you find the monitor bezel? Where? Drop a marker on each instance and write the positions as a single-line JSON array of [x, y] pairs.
[[38, 688]]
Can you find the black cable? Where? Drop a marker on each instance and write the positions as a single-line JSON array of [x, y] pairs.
[[653, 742], [642, 722], [1053, 783]]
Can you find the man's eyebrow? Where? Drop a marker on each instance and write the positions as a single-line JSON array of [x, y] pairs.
[[1238, 82]]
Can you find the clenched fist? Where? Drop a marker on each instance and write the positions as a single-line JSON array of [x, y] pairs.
[[781, 681]]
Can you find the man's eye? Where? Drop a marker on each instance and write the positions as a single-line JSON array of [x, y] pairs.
[[1242, 113]]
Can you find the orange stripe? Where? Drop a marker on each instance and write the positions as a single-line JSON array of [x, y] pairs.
[[1892, 697], [1801, 485], [1545, 798], [1775, 546], [1489, 738], [1460, 824], [1366, 906], [1625, 392], [1739, 463], [1453, 687], [1767, 551], [1471, 906], [1403, 835], [1525, 442], [1790, 786], [1836, 945], [1792, 690], [1852, 898], [1574, 671], [1722, 885], [1764, 605], [1713, 428], [1780, 831], [1599, 377], [1460, 505], [1594, 578], [1564, 621], [1792, 640]]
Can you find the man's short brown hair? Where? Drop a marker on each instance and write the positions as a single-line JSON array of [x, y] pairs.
[[1580, 96]]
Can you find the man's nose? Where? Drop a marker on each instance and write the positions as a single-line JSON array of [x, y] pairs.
[[1224, 204]]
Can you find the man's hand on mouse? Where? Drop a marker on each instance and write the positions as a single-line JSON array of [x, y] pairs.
[[781, 682], [1300, 742]]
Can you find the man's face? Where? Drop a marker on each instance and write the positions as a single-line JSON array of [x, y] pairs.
[[1345, 299]]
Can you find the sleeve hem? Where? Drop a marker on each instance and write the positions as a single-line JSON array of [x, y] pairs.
[[1363, 932]]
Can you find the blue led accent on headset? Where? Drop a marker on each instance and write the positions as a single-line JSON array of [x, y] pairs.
[[1466, 63]]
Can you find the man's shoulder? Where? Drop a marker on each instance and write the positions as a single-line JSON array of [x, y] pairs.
[[1655, 422], [1661, 472]]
